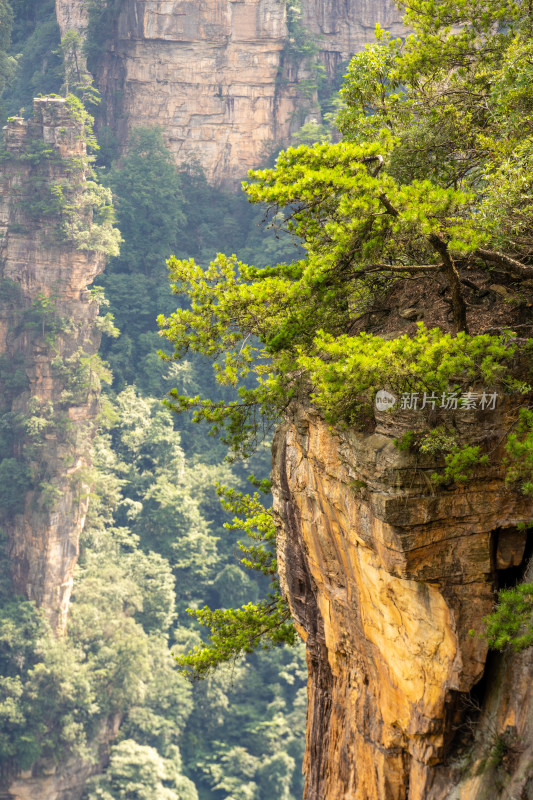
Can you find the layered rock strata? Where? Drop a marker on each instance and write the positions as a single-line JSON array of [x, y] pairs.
[[221, 77], [343, 27], [48, 386], [386, 575]]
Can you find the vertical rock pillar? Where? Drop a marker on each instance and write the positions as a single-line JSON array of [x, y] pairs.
[[49, 388]]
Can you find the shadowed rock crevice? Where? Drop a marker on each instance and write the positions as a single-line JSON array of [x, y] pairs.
[[308, 619]]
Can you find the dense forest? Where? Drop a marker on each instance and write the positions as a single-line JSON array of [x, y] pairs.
[[154, 542]]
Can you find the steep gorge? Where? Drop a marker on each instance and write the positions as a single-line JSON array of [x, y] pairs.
[[385, 575]]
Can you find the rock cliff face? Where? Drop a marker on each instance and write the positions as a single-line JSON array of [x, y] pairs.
[[48, 389], [63, 780], [343, 27], [386, 575], [71, 15], [216, 75]]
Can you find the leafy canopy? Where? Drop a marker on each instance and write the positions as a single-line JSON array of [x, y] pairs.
[[148, 202], [511, 624]]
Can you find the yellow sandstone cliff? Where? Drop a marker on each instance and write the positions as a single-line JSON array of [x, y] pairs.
[[386, 575]]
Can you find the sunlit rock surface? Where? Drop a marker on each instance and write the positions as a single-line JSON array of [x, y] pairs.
[[386, 575], [217, 76]]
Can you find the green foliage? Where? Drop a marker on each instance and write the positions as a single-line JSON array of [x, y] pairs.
[[48, 696], [80, 113], [13, 375], [301, 323], [238, 631], [267, 623], [101, 16], [248, 752], [149, 202], [161, 497], [302, 52], [257, 523], [347, 371], [138, 772], [412, 188], [57, 194], [20, 628], [35, 44], [43, 318], [519, 448], [89, 220], [460, 464], [511, 623], [439, 440], [7, 62], [15, 482], [136, 283], [458, 461], [456, 96], [78, 81], [140, 464], [10, 293], [82, 375], [55, 692], [407, 441]]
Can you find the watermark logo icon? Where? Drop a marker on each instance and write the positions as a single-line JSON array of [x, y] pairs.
[[384, 400]]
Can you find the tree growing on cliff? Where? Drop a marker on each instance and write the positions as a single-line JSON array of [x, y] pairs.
[[434, 177], [417, 186], [266, 623]]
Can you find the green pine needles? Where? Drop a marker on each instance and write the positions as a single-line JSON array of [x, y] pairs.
[[235, 632], [510, 626]]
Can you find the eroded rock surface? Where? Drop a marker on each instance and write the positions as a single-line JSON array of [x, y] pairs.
[[64, 780], [217, 76], [48, 386], [386, 575]]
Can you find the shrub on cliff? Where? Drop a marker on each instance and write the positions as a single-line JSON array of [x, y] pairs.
[[511, 624], [15, 482]]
